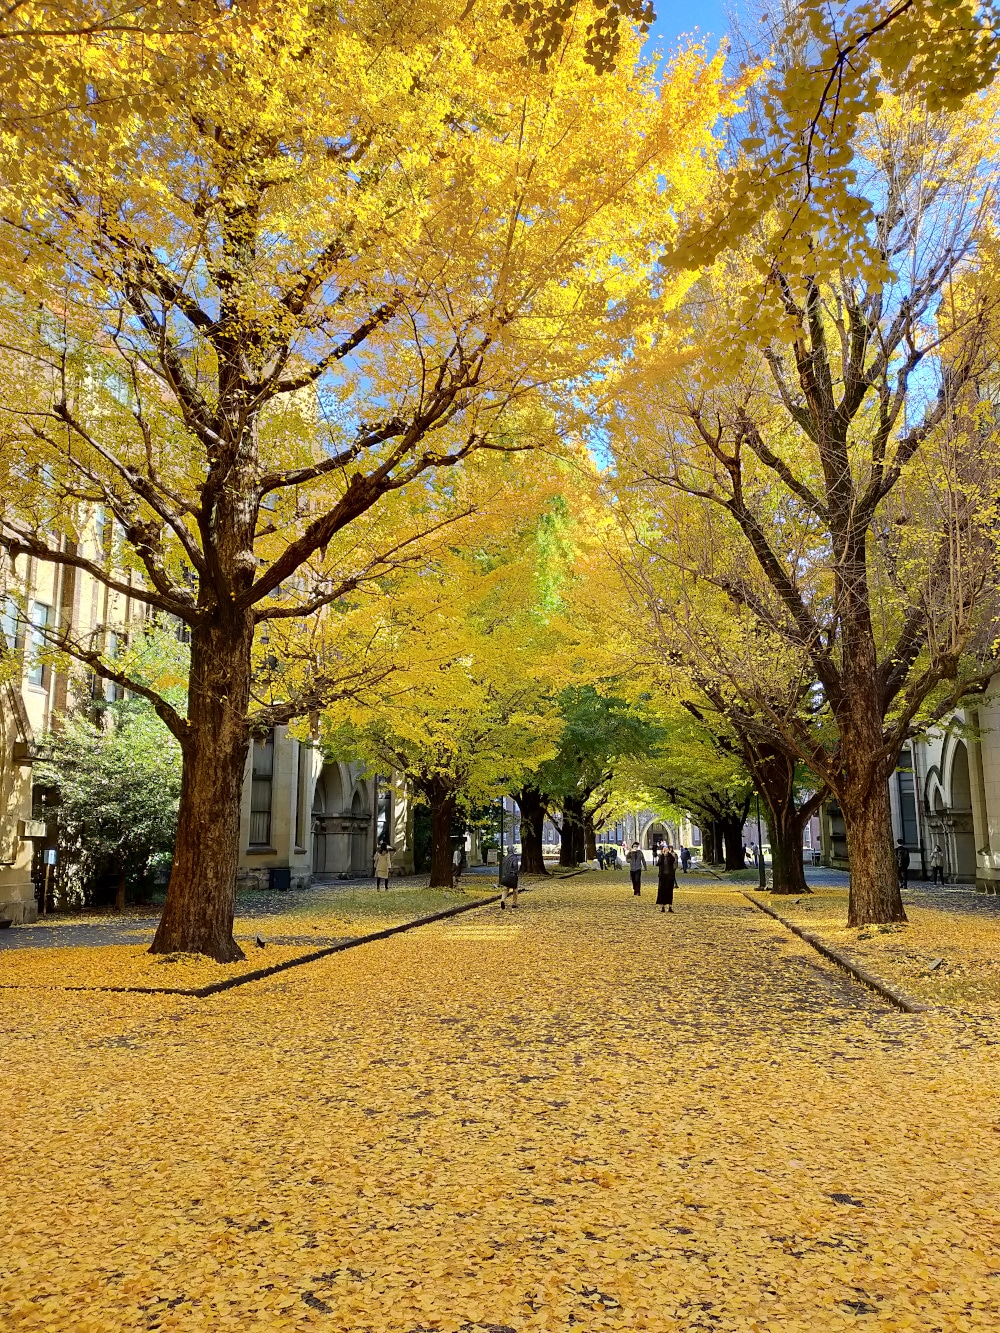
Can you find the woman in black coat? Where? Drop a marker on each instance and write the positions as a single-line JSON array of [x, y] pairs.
[[666, 866]]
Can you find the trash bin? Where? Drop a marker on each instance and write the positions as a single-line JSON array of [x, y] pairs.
[[279, 877]]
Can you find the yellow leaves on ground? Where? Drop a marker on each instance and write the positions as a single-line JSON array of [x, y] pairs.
[[130, 965], [939, 956], [579, 1114]]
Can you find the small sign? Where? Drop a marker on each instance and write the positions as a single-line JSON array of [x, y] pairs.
[[50, 856]]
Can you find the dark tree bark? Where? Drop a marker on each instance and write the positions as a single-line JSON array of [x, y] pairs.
[[590, 837], [773, 769], [732, 834], [214, 751], [571, 833], [532, 805], [442, 800]]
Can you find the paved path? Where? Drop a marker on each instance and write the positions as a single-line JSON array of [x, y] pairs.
[[582, 1115]]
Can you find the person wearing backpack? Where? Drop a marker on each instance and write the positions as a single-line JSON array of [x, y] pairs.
[[510, 868], [636, 865]]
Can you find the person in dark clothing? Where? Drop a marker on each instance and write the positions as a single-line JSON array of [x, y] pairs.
[[666, 878], [636, 865], [902, 862], [685, 859], [600, 857], [510, 871]]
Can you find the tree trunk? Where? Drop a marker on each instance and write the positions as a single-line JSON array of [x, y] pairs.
[[863, 790], [712, 845], [571, 835], [590, 836], [442, 799], [785, 837], [774, 772], [874, 893], [532, 805], [201, 896], [732, 833], [120, 895]]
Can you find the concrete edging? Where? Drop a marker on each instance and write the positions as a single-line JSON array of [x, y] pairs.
[[887, 992]]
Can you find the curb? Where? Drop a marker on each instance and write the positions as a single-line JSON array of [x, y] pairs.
[[889, 993], [203, 992]]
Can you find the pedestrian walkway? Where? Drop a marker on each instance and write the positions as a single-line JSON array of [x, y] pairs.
[[579, 1115]]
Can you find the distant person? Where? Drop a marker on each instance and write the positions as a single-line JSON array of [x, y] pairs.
[[666, 878], [383, 866], [937, 864], [600, 857], [510, 869], [685, 859], [636, 865], [744, 861], [902, 863], [611, 857], [456, 866]]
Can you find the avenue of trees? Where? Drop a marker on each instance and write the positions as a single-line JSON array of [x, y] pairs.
[[510, 409]]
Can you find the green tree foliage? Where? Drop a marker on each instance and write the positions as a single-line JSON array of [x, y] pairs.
[[117, 785]]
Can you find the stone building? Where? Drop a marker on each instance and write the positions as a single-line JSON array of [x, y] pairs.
[[945, 792], [301, 816]]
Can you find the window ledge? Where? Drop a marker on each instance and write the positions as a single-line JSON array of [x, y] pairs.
[[262, 851]]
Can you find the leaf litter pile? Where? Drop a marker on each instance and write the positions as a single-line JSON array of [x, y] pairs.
[[582, 1114]]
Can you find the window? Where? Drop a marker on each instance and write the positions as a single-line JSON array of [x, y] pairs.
[[907, 800], [10, 626], [112, 690], [260, 791], [40, 614]]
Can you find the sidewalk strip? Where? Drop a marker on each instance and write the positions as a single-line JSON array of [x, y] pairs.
[[874, 983]]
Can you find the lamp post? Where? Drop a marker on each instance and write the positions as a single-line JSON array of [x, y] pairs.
[[760, 849], [500, 852]]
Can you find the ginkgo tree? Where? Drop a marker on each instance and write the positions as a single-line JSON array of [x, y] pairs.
[[472, 708], [836, 418], [360, 248]]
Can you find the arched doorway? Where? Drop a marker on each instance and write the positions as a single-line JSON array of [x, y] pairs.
[[964, 859], [359, 837], [328, 800], [656, 832]]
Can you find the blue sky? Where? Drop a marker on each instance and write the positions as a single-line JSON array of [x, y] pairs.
[[677, 17]]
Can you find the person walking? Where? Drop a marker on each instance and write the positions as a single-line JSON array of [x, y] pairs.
[[937, 864], [510, 869], [636, 865], [383, 866], [685, 859], [456, 867], [666, 878], [902, 862]]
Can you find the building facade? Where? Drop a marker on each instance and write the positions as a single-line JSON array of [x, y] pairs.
[[944, 793], [301, 815]]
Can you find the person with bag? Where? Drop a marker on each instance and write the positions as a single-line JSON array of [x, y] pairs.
[[636, 865], [666, 878], [937, 864], [383, 866], [510, 868]]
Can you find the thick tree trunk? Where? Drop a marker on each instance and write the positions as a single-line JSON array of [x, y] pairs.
[[571, 835], [774, 771], [863, 790], [590, 836], [442, 801], [785, 837], [120, 894], [532, 805], [201, 895], [874, 894], [732, 834], [713, 843]]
